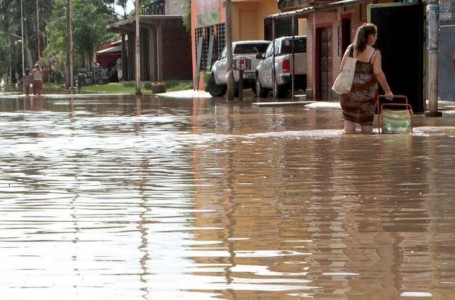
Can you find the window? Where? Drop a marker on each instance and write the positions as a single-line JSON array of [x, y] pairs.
[[250, 48], [283, 27], [299, 46]]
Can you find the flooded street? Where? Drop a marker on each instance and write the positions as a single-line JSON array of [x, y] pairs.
[[161, 198]]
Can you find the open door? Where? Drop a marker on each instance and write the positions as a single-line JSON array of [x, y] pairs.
[[401, 44]]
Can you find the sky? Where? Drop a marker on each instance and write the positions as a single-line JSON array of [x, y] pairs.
[[129, 7]]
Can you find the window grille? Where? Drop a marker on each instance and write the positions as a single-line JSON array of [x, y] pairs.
[[218, 32]]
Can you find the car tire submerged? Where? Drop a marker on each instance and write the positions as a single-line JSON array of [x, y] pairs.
[[260, 91], [279, 91], [216, 90]]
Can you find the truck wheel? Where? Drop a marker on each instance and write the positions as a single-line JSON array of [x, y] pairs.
[[260, 91], [216, 90], [279, 91]]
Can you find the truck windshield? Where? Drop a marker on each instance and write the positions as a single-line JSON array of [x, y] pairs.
[[250, 48], [299, 46]]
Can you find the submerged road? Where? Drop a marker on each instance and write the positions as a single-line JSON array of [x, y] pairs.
[[172, 197]]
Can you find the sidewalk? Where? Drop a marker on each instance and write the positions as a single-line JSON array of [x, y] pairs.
[[186, 94], [443, 105]]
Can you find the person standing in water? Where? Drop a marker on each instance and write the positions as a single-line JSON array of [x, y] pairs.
[[360, 103], [37, 74], [27, 81]]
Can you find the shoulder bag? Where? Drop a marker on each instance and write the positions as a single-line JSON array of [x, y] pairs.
[[343, 82]]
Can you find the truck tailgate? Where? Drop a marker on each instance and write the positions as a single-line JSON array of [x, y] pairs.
[[300, 63]]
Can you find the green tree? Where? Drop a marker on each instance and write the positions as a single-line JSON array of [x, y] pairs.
[[122, 3], [10, 39], [187, 16], [11, 32], [90, 19], [45, 26]]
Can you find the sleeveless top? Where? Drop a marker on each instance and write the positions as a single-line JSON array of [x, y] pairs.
[[37, 75], [359, 105]]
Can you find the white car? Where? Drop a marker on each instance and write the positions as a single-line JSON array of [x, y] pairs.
[[217, 83], [275, 70]]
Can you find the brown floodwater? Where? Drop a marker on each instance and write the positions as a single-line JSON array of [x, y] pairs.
[[117, 197]]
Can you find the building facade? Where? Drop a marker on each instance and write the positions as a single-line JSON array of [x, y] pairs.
[[250, 21], [165, 44], [446, 68], [330, 27]]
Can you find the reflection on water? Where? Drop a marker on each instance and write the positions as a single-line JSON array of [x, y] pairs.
[[155, 198]]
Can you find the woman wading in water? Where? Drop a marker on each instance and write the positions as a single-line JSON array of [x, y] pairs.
[[359, 105]]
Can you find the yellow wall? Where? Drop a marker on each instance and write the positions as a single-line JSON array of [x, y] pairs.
[[248, 18]]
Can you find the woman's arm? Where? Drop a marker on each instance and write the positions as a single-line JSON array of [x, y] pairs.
[[380, 76]]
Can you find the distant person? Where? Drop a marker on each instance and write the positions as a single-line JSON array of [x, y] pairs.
[[37, 74], [359, 105], [118, 65], [27, 81]]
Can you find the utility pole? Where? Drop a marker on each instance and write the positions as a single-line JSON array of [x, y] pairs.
[[138, 49], [69, 46], [22, 38], [38, 44], [432, 12], [230, 74]]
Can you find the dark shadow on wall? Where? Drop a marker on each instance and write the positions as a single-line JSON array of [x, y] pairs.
[[446, 72]]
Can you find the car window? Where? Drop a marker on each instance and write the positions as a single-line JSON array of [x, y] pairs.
[[224, 53], [250, 48], [299, 46], [270, 49], [262, 47]]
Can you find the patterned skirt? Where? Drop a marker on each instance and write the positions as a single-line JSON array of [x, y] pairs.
[[360, 104]]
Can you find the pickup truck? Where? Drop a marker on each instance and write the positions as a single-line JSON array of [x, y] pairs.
[[217, 82], [274, 72]]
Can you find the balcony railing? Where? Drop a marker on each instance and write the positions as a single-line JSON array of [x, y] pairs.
[[156, 7], [286, 5]]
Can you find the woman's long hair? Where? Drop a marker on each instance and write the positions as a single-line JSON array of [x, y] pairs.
[[362, 34]]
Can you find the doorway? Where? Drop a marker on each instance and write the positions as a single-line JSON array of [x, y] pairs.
[[345, 33], [404, 72], [323, 63]]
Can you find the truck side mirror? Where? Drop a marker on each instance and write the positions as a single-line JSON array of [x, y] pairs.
[[260, 55]]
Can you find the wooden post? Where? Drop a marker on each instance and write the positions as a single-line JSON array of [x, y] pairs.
[[138, 49], [230, 74], [69, 46], [433, 48]]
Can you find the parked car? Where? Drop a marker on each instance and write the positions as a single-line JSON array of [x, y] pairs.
[[217, 82], [277, 60]]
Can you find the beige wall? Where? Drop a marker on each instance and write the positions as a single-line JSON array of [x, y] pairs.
[[248, 18]]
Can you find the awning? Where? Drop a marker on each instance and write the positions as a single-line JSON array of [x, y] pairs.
[[110, 50], [323, 7], [128, 26]]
